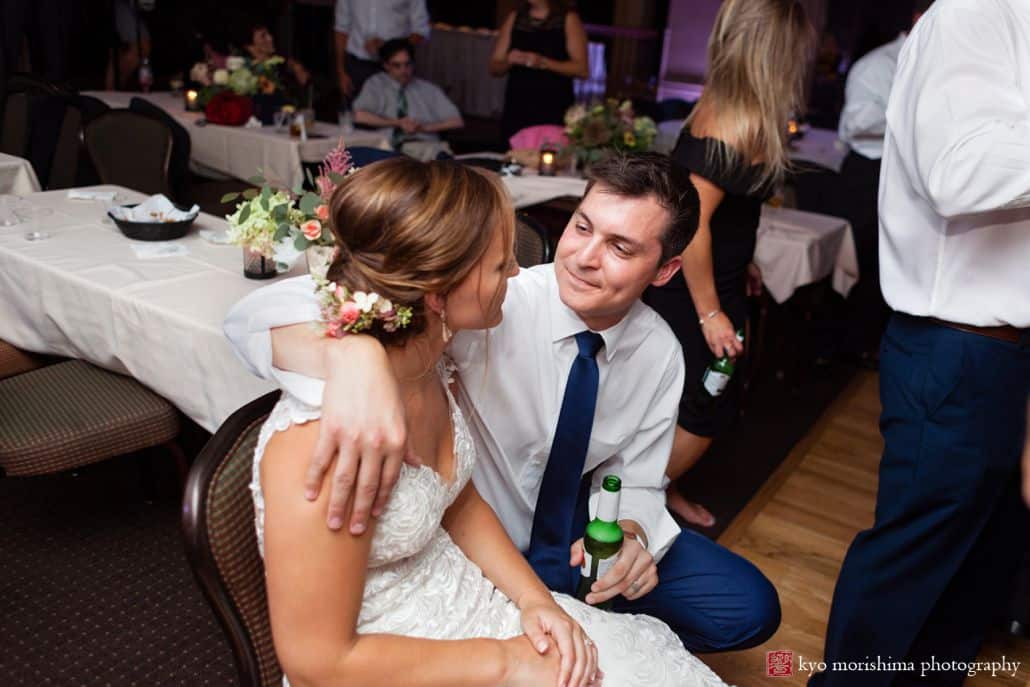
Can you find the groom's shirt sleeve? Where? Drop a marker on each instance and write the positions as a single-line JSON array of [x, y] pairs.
[[642, 461], [249, 325]]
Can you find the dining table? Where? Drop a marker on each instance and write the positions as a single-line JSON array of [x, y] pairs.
[[793, 248], [152, 310], [241, 151], [17, 176]]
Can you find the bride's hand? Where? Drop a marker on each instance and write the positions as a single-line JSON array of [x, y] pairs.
[[544, 621], [366, 431]]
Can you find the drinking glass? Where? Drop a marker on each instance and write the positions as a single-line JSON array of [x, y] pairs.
[[34, 218], [279, 119]]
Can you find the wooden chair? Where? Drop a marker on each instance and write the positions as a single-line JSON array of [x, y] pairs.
[[71, 414], [221, 543], [531, 244], [131, 150]]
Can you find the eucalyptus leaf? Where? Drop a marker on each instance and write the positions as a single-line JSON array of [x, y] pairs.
[[309, 202], [229, 197], [301, 242], [244, 214], [250, 193], [257, 180], [335, 178]]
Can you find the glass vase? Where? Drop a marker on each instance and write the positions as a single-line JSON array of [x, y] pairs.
[[257, 265]]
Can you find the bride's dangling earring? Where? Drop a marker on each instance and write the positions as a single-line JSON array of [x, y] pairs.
[[446, 331]]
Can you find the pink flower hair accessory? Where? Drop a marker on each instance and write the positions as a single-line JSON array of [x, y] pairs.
[[348, 312]]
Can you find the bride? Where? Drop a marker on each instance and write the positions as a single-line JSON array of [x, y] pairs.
[[434, 593]]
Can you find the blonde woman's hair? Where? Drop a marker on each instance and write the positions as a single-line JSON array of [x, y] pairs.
[[758, 54], [405, 228]]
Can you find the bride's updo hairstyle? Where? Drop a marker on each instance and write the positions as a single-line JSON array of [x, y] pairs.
[[405, 228]]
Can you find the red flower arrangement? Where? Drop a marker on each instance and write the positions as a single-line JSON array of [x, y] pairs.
[[229, 109]]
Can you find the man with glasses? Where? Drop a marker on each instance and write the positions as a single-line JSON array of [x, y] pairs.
[[414, 108], [362, 27]]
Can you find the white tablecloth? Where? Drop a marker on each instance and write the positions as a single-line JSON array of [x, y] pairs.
[[240, 151], [83, 293], [794, 248], [17, 175], [820, 146]]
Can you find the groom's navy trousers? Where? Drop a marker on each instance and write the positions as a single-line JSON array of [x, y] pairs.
[[950, 526], [711, 597]]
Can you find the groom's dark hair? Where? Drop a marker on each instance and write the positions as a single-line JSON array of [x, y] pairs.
[[636, 175]]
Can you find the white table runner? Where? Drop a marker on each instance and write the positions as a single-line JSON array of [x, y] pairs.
[[84, 293], [240, 151]]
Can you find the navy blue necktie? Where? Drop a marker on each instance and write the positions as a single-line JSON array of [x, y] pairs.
[[553, 520]]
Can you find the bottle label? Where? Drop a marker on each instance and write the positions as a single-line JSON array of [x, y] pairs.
[[603, 566], [715, 382]]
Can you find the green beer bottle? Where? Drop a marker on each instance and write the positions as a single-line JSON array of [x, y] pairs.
[[602, 539], [717, 375]]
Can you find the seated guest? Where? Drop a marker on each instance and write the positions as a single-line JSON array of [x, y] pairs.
[[258, 45], [538, 464], [862, 125], [416, 109], [434, 592]]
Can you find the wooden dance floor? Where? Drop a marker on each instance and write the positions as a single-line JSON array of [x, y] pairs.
[[798, 528]]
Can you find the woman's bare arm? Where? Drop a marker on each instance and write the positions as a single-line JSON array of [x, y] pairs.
[[315, 580]]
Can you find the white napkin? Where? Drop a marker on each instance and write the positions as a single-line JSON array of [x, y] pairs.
[[253, 123], [159, 249], [220, 238], [154, 209], [79, 194]]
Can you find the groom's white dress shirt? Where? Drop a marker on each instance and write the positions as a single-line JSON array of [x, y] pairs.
[[513, 380], [955, 182]]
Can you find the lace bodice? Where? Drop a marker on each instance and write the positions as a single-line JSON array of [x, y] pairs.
[[420, 584]]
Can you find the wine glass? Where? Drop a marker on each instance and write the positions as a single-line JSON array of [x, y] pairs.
[[34, 217]]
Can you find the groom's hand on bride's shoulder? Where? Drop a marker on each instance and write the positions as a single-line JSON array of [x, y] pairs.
[[634, 574], [365, 432]]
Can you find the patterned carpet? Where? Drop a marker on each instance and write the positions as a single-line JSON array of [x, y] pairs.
[[95, 588]]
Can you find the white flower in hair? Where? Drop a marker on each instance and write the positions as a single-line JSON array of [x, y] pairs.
[[365, 301]]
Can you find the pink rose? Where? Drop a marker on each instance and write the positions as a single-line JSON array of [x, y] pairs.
[[333, 329], [349, 312], [312, 229], [322, 212]]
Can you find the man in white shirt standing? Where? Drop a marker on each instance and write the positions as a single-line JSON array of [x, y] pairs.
[[361, 28], [635, 219], [923, 583], [863, 122]]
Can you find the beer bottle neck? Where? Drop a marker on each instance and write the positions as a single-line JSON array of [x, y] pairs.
[[608, 506]]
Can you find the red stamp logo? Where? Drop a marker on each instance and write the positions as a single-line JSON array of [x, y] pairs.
[[779, 663]]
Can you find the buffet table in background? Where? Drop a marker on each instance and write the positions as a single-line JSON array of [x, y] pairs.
[[86, 293], [239, 151]]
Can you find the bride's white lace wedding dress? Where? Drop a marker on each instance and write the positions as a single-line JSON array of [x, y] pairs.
[[420, 584]]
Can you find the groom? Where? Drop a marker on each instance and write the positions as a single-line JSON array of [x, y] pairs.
[[579, 380]]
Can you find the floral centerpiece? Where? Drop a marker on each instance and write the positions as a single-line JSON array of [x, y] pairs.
[[258, 81], [596, 130], [280, 224]]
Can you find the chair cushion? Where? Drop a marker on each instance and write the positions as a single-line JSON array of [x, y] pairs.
[[70, 414]]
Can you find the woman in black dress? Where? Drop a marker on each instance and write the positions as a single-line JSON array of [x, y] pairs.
[[735, 145], [542, 47]]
